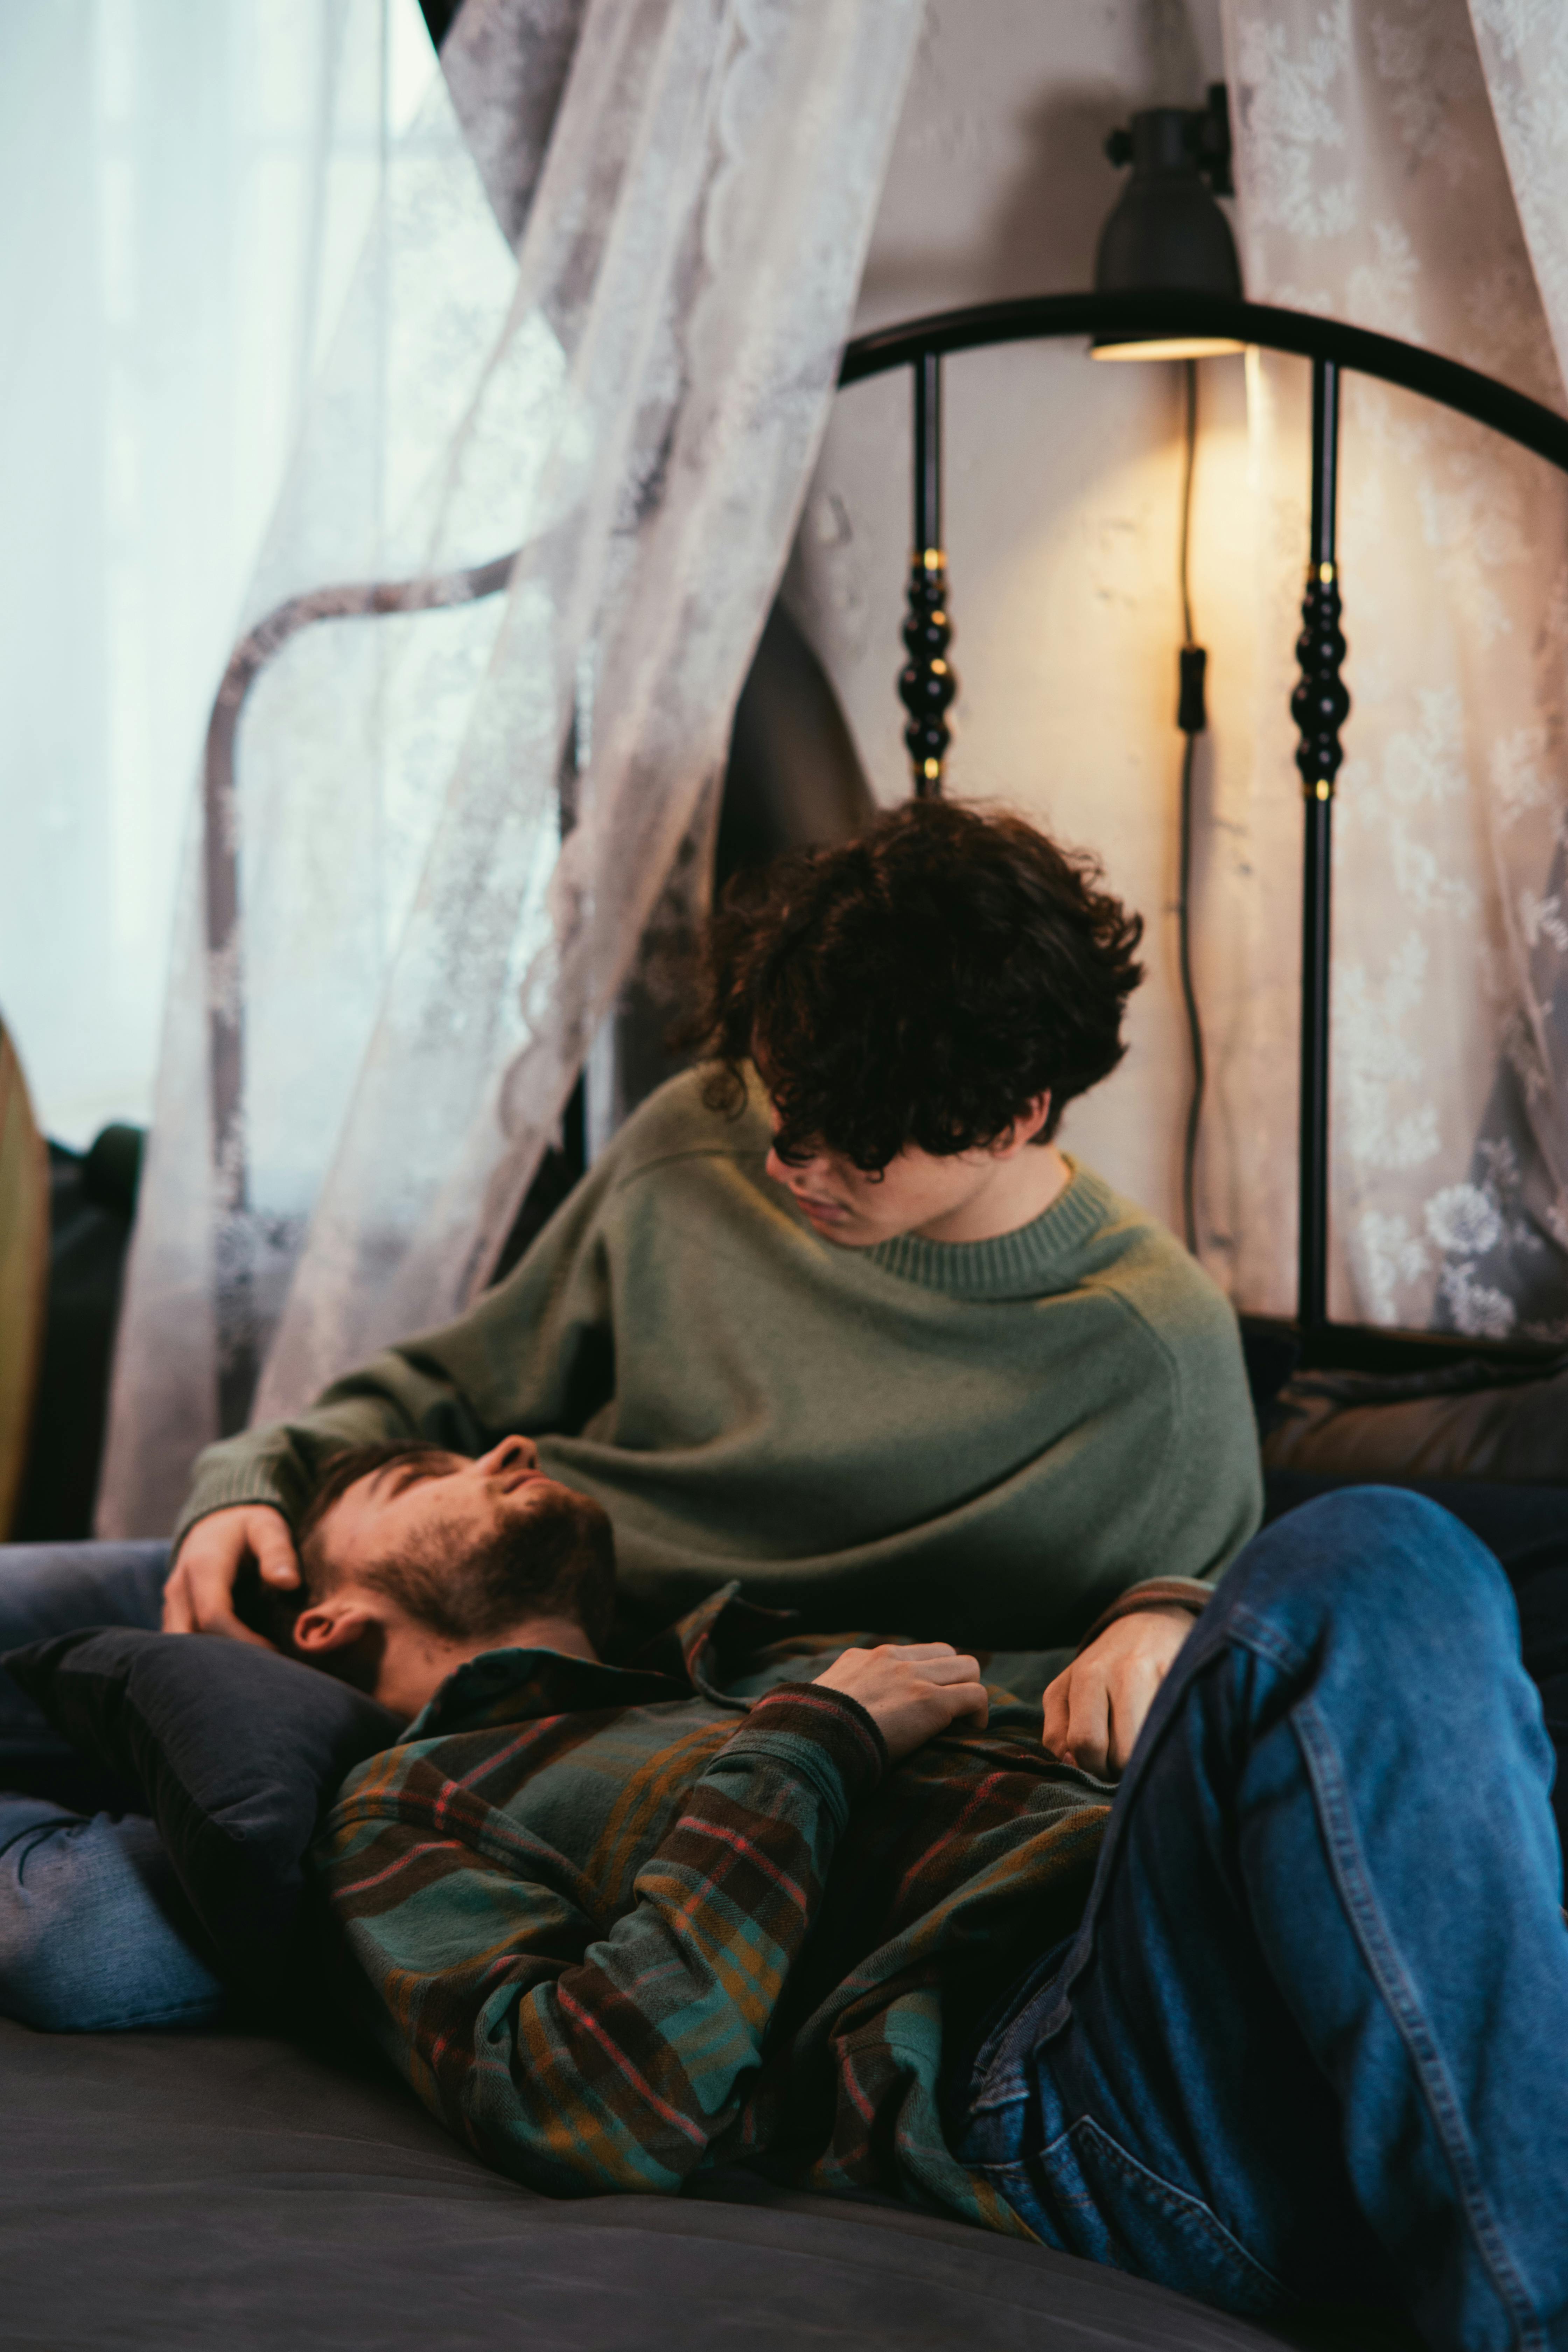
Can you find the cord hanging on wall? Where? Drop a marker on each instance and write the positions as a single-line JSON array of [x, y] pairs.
[[1167, 235], [1192, 718]]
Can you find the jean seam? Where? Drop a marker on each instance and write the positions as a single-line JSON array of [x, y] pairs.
[[1257, 1633], [1393, 1982], [1155, 2193], [1156, 2190], [1012, 2091], [1215, 1635]]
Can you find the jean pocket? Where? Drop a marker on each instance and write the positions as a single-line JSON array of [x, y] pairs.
[[1085, 2194]]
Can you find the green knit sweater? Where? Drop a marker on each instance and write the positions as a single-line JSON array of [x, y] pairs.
[[986, 1442]]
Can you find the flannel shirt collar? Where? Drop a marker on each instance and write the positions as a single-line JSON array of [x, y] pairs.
[[688, 1660]]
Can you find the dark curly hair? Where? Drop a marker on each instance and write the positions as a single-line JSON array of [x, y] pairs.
[[923, 984]]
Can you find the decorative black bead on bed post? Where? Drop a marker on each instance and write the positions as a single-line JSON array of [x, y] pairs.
[[926, 682], [1319, 706]]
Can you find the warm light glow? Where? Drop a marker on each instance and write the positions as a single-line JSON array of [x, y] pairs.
[[1168, 347]]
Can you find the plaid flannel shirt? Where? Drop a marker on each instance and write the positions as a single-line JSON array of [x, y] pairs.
[[617, 1924]]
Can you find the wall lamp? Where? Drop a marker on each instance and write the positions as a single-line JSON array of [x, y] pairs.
[[1167, 235]]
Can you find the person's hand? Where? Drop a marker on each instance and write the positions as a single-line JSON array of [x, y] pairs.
[[1096, 1707], [911, 1690], [199, 1596]]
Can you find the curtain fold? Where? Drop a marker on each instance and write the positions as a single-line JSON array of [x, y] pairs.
[[1523, 50], [596, 321], [447, 828], [1373, 185]]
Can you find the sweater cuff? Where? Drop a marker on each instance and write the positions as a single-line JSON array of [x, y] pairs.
[[1154, 1593], [214, 1497], [825, 1735]]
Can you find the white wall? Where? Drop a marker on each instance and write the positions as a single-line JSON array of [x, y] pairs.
[[1062, 504]]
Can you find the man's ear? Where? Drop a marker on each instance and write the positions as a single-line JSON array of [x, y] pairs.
[[337, 1622], [1025, 1128]]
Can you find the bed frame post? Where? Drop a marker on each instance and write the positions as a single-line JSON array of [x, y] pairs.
[[926, 682], [1319, 706]]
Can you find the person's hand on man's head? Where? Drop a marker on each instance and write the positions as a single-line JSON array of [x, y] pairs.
[[1096, 1707], [911, 1691], [199, 1596]]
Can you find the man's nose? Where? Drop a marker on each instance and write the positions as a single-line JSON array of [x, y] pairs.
[[513, 1450]]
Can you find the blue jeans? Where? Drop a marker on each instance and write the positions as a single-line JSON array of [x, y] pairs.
[[1311, 2039], [95, 1933]]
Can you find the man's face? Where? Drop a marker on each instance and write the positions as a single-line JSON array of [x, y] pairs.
[[938, 1199], [911, 1194], [434, 1507], [436, 1503]]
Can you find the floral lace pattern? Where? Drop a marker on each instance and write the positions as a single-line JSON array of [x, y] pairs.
[[632, 398], [1383, 145]]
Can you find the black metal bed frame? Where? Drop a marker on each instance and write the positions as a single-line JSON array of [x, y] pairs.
[[1320, 704], [927, 686]]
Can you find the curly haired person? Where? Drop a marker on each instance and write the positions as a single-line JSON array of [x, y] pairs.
[[833, 1321], [833, 1315]]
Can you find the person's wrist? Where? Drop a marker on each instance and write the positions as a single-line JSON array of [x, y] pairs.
[[1189, 1601], [187, 1528], [830, 1719]]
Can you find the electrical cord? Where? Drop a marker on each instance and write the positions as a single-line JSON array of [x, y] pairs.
[[1191, 368], [1192, 718]]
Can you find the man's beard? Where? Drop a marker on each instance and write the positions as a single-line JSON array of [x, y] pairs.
[[557, 1560]]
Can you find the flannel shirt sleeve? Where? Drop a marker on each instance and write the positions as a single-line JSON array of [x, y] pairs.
[[577, 2058]]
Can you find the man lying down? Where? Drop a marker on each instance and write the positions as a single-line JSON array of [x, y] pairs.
[[833, 1317], [855, 1922], [873, 1346]]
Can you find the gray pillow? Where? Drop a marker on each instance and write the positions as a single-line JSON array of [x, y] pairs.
[[236, 1752]]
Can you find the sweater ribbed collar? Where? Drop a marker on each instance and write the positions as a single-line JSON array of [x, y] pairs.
[[1038, 1257]]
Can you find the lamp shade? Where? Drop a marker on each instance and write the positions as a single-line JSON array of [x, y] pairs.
[[1166, 235]]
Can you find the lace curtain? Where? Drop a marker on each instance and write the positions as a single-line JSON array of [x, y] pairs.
[[597, 320], [1407, 168]]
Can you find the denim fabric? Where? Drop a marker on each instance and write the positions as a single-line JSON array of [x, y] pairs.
[[1311, 2040], [95, 1934], [46, 1589], [94, 1931]]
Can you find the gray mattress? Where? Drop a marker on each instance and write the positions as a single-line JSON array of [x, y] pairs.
[[233, 2189]]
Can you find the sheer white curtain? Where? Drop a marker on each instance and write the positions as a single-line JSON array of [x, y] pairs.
[[1373, 186], [391, 950], [184, 189]]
